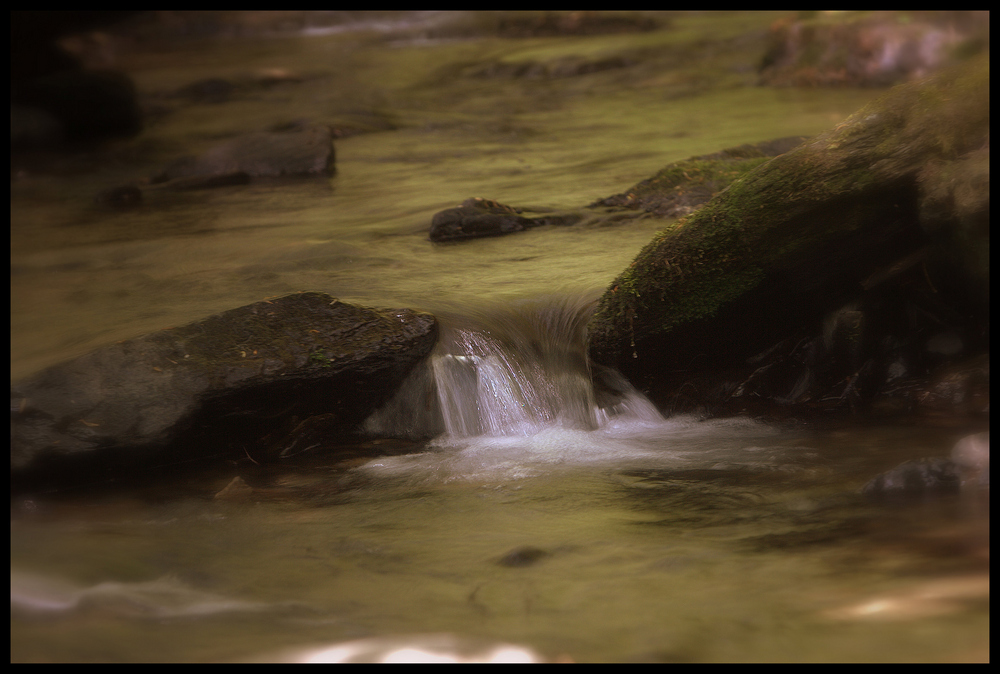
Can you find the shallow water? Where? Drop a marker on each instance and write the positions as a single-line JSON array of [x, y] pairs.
[[83, 276], [676, 541], [668, 540]]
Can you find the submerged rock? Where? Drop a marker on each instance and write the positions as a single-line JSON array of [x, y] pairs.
[[525, 555], [228, 385], [676, 190], [747, 289], [681, 187], [478, 218], [300, 151], [956, 389], [54, 98], [921, 477]]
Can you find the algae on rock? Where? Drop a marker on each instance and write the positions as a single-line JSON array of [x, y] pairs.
[[793, 239]]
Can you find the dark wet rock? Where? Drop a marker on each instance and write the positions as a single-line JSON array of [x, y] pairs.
[[525, 555], [33, 127], [922, 477], [206, 182], [476, 218], [867, 48], [676, 190], [228, 385], [479, 218], [79, 104], [952, 391], [818, 277], [88, 104], [681, 187], [963, 386], [301, 151]]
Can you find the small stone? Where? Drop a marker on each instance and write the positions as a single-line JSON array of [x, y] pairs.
[[525, 555]]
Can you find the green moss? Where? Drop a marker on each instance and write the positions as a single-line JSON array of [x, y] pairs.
[[305, 327], [321, 359], [792, 205], [682, 186]]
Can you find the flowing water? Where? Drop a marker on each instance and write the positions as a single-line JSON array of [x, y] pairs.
[[580, 525]]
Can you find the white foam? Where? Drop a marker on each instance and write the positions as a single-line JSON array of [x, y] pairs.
[[513, 394], [414, 648], [165, 597], [681, 442]]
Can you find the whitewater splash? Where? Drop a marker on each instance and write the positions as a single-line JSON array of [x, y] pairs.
[[509, 394], [167, 597], [512, 372]]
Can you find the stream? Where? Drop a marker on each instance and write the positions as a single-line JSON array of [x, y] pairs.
[[542, 516]]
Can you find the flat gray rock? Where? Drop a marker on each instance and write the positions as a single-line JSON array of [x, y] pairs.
[[222, 384]]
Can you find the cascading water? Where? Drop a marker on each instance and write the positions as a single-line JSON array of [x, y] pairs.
[[511, 372], [508, 393], [488, 388]]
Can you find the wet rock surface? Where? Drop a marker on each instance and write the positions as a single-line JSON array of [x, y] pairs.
[[236, 384], [54, 97], [967, 469], [823, 275], [300, 151], [675, 191], [680, 188], [479, 218], [526, 555], [915, 478]]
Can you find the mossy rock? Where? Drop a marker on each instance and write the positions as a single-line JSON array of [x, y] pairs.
[[679, 188], [799, 236]]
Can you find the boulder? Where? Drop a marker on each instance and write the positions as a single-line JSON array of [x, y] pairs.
[[915, 479], [676, 190], [968, 470], [233, 384], [90, 105], [843, 250], [680, 188], [299, 151], [53, 97], [478, 218]]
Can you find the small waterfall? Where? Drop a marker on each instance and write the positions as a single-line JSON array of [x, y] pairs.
[[510, 371]]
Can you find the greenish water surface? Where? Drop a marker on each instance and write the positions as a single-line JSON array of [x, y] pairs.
[[679, 541]]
